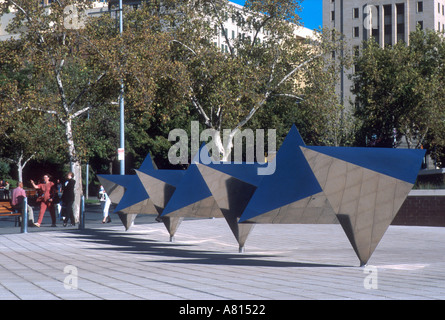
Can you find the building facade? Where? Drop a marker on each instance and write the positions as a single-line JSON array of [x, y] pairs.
[[230, 30], [388, 21]]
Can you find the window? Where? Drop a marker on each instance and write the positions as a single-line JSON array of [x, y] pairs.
[[419, 6], [400, 7], [356, 32], [420, 24], [387, 27], [332, 15], [233, 34], [355, 13], [356, 50]]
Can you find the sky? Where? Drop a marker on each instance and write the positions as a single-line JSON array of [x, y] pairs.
[[311, 14]]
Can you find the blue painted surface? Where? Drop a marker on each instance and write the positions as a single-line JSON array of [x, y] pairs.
[[147, 165], [402, 164], [191, 189], [247, 172], [134, 190], [172, 177], [293, 180]]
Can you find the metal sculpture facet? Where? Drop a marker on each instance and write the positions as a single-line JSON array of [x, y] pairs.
[[206, 191], [292, 194], [160, 186], [360, 188], [232, 185], [366, 188], [192, 197], [129, 194]]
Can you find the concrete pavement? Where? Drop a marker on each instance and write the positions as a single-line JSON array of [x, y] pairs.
[[280, 262]]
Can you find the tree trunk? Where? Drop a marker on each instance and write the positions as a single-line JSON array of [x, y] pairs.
[[76, 168]]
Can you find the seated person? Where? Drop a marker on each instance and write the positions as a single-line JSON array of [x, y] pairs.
[[18, 195]]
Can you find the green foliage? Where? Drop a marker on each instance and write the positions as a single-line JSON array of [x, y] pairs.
[[4, 169], [401, 88], [60, 85]]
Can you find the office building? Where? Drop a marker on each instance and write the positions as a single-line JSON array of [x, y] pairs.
[[387, 21]]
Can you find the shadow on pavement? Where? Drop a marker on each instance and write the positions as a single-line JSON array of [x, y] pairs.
[[179, 253]]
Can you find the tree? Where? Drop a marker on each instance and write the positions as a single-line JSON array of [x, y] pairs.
[[399, 90], [228, 87], [60, 80]]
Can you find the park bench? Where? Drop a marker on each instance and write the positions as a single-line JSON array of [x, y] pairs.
[[7, 211]]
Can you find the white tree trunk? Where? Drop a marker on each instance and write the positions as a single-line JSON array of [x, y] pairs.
[[76, 168], [223, 146]]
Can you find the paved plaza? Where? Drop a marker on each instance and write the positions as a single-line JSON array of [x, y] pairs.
[[280, 262]]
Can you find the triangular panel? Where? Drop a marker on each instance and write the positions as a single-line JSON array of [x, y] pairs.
[[365, 201]]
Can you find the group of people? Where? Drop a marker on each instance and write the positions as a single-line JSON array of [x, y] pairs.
[[55, 197], [51, 195]]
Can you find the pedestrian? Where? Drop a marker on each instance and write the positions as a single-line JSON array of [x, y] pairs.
[[45, 199], [68, 199], [6, 191], [2, 187], [17, 197], [105, 204], [59, 194]]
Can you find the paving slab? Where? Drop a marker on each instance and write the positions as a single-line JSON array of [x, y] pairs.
[[280, 262]]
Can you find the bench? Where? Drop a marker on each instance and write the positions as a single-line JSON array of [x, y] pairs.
[[7, 211]]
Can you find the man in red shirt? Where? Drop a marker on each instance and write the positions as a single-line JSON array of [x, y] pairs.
[[46, 201]]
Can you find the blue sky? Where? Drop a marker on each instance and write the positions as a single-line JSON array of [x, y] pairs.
[[311, 14]]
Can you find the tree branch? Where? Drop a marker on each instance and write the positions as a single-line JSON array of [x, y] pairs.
[[269, 92], [200, 110], [87, 88]]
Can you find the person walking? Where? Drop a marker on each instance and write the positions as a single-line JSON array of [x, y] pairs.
[[68, 199], [45, 199], [105, 204]]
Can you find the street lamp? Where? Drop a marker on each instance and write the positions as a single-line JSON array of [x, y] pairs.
[[121, 151]]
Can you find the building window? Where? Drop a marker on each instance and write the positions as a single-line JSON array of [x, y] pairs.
[[356, 50], [355, 13], [387, 24], [400, 7], [356, 32], [332, 15], [419, 6], [420, 24]]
